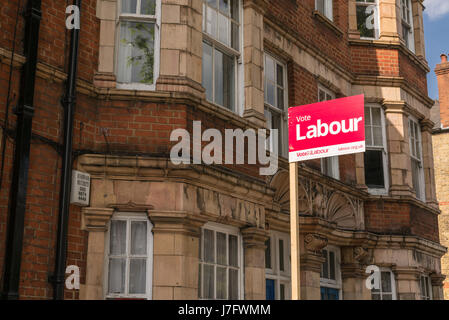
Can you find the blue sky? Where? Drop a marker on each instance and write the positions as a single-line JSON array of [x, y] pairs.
[[436, 33]]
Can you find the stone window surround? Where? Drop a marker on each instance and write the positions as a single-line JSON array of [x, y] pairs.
[[131, 216], [108, 13], [229, 230], [385, 190]]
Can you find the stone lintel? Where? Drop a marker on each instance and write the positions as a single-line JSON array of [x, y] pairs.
[[95, 219], [176, 222]]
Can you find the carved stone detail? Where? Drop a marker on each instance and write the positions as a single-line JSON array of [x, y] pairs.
[[318, 199], [315, 243], [362, 255]]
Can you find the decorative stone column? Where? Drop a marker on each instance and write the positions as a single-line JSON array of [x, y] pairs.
[[311, 261], [389, 11], [106, 12], [398, 148], [95, 221], [254, 257], [353, 31], [253, 12], [437, 286], [418, 29], [353, 273], [407, 283], [175, 254], [428, 163], [181, 47]]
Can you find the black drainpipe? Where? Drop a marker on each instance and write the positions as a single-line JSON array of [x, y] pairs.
[[18, 191], [68, 102]]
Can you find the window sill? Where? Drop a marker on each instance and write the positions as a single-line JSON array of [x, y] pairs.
[[329, 23], [136, 86]]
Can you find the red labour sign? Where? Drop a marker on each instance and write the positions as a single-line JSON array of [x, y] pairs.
[[326, 129]]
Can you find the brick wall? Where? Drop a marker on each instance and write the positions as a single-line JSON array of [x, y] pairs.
[[442, 72]]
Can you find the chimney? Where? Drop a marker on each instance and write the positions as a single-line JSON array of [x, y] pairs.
[[442, 72]]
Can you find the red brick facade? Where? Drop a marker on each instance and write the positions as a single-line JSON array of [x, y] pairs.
[[122, 125]]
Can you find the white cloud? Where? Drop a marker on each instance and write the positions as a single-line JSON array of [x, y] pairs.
[[436, 9]]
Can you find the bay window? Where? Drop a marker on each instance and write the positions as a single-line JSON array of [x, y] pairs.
[[277, 266], [407, 24], [368, 18], [220, 271], [137, 61], [376, 168], [275, 88], [221, 51], [329, 165], [129, 257], [416, 158]]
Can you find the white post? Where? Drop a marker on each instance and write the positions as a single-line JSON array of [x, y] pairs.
[[294, 232]]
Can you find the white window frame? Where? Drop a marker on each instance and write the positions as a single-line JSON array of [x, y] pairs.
[[216, 44], [274, 273], [283, 134], [328, 11], [428, 282], [411, 119], [330, 283], [334, 160], [129, 217], [228, 230], [156, 20], [393, 285], [410, 37], [376, 17], [384, 148]]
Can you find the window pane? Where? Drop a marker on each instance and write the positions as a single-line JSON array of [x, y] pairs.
[[209, 246], [223, 29], [233, 284], [270, 93], [415, 177], [221, 248], [321, 96], [148, 7], [235, 37], [320, 5], [376, 116], [117, 237], [136, 53], [332, 265], [221, 283], [365, 21], [116, 275], [211, 22], [368, 136], [280, 98], [224, 6], [378, 141], [137, 275], [235, 10], [375, 296], [387, 297], [138, 237], [207, 71], [270, 289], [208, 284], [280, 75], [367, 116], [212, 3], [282, 291], [227, 81], [324, 266], [268, 254], [374, 169], [386, 282], [233, 251], [129, 6], [281, 255]]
